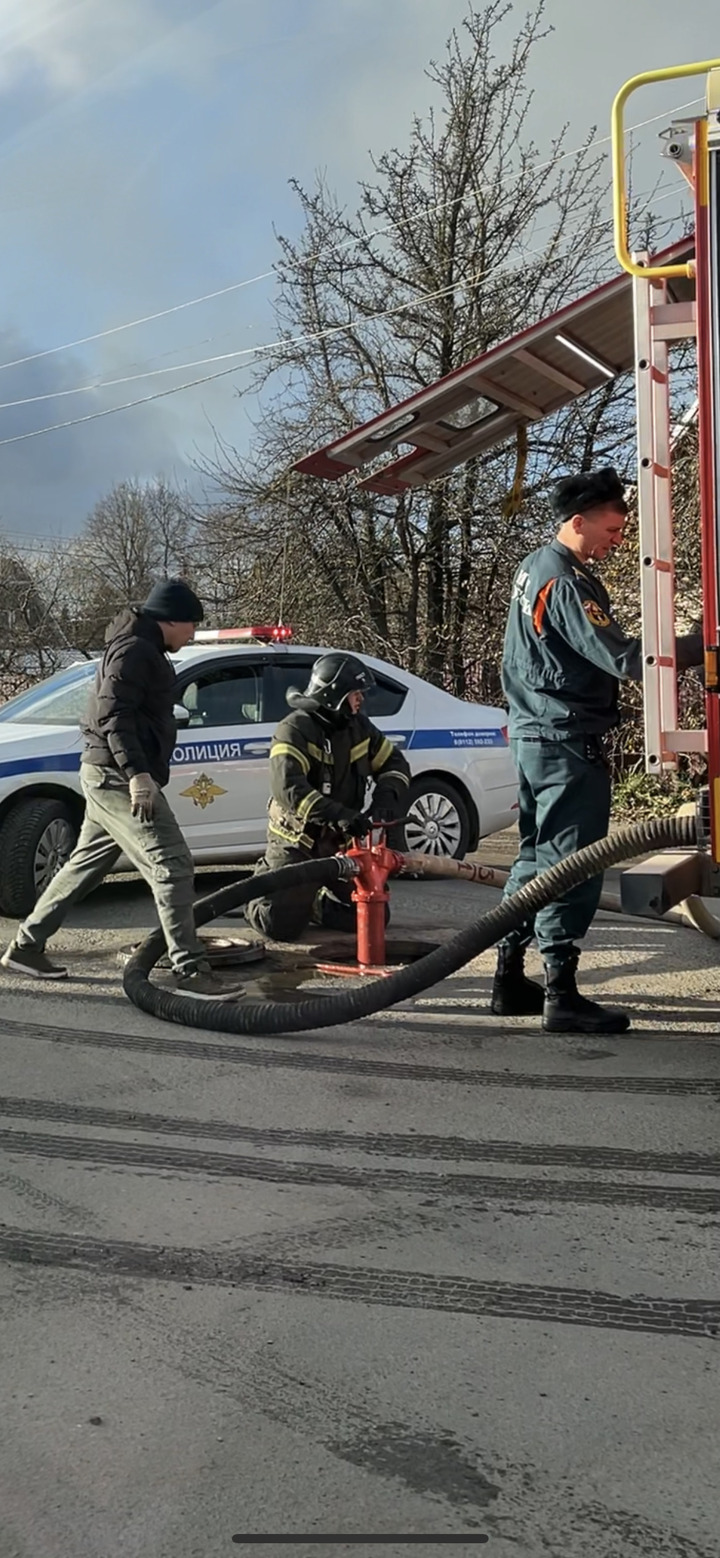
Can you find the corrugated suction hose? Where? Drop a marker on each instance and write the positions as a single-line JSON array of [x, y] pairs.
[[350, 1005]]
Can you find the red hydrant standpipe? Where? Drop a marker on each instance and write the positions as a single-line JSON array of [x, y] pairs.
[[370, 893], [374, 863]]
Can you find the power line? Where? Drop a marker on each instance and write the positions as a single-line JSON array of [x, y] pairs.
[[236, 286], [251, 352], [320, 335], [101, 335], [292, 341]]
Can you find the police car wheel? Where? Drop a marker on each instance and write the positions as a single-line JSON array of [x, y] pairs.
[[438, 820], [36, 839]]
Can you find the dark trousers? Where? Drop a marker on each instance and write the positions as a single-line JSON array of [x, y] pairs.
[[285, 916], [564, 804]]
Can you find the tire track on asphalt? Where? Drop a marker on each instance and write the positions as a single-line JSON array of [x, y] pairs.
[[349, 1065], [43, 1201], [399, 1289], [444, 1148], [185, 1160]]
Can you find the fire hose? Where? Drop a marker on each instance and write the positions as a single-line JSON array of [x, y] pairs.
[[693, 912], [359, 1001]]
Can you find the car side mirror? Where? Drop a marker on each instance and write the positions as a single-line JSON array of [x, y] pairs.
[[182, 715]]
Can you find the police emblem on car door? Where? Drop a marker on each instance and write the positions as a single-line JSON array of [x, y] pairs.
[[219, 778], [203, 792]]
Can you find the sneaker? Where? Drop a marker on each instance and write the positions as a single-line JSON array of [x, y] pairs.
[[32, 962], [207, 987]]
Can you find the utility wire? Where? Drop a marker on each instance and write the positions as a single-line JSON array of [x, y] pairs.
[[292, 341], [236, 286], [251, 352]]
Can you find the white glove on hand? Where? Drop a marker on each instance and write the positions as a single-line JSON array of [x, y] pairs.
[[143, 794]]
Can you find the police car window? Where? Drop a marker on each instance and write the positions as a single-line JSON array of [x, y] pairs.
[[279, 677], [384, 698], [229, 696], [60, 700]]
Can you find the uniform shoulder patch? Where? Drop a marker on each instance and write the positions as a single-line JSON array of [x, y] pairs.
[[597, 616]]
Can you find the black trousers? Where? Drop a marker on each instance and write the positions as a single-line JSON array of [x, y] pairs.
[[285, 916]]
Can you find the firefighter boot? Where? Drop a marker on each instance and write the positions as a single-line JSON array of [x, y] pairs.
[[513, 994], [567, 1011], [331, 913]]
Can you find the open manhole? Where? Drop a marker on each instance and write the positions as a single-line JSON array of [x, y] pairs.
[[398, 952]]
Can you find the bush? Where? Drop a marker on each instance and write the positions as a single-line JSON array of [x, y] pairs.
[[638, 795]]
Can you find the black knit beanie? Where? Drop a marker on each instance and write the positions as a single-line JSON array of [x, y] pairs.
[[590, 490], [172, 600]]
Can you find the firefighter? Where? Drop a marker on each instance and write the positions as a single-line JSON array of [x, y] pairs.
[[323, 756], [563, 659]]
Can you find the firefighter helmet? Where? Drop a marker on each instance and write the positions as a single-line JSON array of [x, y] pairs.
[[331, 679]]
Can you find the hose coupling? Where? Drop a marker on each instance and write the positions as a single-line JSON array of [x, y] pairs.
[[348, 868]]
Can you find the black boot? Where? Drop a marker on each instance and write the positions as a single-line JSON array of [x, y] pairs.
[[566, 1011], [513, 995], [331, 914]]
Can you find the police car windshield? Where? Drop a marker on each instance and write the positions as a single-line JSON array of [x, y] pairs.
[[59, 700]]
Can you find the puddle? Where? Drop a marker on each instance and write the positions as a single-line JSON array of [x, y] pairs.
[[425, 1462], [272, 973]]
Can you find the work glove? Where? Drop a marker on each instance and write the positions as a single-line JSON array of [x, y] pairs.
[[143, 795], [384, 806], [689, 650], [357, 827]]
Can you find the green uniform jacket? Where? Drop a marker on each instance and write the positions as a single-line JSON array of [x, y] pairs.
[[319, 775], [564, 652]]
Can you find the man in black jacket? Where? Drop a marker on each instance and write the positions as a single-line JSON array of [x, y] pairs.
[[130, 734], [322, 759]]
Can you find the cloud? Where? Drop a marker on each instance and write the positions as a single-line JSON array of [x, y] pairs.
[[67, 44], [51, 482], [145, 153]]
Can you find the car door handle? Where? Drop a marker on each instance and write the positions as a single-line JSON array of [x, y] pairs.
[[399, 741], [257, 748]]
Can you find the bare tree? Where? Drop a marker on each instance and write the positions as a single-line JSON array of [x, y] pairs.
[[32, 638], [458, 241], [138, 532]]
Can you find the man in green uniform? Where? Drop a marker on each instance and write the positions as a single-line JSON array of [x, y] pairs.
[[563, 659], [323, 756]]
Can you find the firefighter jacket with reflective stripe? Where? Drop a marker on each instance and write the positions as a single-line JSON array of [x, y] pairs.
[[564, 653], [319, 774]]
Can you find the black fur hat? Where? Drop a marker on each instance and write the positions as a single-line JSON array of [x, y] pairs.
[[590, 490]]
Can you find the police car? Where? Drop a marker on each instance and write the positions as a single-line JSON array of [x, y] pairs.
[[231, 686]]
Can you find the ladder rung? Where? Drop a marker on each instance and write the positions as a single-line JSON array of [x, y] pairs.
[[685, 740], [672, 313], [675, 332]]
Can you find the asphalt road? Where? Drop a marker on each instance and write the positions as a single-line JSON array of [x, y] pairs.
[[428, 1274]]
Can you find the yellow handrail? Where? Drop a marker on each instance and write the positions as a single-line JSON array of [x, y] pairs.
[[671, 73]]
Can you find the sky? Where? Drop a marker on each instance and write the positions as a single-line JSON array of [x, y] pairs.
[[146, 149]]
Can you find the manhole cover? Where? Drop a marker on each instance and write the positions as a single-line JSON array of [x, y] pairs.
[[221, 952]]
